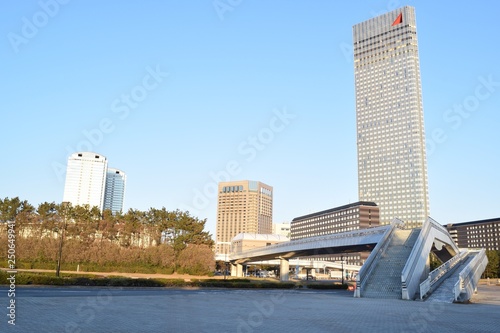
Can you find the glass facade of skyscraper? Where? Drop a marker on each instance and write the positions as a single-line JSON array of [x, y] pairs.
[[115, 190], [392, 166]]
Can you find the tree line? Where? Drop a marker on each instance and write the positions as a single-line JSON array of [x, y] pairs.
[[493, 268], [156, 240]]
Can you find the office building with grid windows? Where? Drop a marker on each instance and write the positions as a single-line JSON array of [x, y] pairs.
[[476, 234], [85, 179], [90, 182], [351, 217], [115, 190], [242, 207], [392, 165]]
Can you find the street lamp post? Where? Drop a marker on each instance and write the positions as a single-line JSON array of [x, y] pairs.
[[225, 256], [342, 262], [225, 265]]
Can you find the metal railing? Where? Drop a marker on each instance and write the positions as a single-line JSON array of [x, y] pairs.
[[440, 272], [309, 240], [469, 277], [410, 280], [412, 261], [371, 262]]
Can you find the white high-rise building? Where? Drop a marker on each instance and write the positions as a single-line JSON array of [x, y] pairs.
[[392, 166], [86, 179], [115, 190]]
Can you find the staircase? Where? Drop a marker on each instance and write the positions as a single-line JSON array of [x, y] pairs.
[[385, 280], [444, 293]]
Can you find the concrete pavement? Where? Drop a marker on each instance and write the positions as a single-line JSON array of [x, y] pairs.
[[44, 309]]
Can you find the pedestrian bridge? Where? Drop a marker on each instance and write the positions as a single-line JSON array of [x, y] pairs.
[[347, 242], [398, 266]]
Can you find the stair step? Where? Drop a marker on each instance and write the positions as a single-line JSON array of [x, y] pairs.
[[444, 293], [385, 280]]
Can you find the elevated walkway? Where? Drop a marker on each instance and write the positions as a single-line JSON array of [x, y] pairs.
[[346, 242], [398, 267]]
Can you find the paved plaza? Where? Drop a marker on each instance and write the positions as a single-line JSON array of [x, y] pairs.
[[45, 309]]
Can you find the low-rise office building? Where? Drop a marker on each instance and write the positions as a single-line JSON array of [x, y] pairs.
[[355, 216], [476, 234], [249, 241]]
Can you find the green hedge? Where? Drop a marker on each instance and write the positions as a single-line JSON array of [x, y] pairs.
[[23, 278]]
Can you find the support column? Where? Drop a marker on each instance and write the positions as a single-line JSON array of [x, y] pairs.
[[239, 270], [233, 269], [284, 269]]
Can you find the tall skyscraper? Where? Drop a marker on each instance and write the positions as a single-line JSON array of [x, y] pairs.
[[392, 165], [85, 179], [114, 190], [243, 206]]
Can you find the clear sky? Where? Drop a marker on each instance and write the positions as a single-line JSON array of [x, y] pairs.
[[179, 93]]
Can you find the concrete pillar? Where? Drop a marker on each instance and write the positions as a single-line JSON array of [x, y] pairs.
[[284, 269], [233, 269], [427, 269], [239, 270]]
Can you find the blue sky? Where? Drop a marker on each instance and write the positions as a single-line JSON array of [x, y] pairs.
[[179, 93]]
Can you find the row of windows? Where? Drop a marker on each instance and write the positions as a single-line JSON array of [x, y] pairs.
[[385, 48], [389, 35], [316, 232], [327, 221], [381, 142], [366, 63], [489, 236], [478, 227], [380, 68], [266, 191], [227, 189], [368, 27], [329, 216], [323, 226], [381, 57]]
